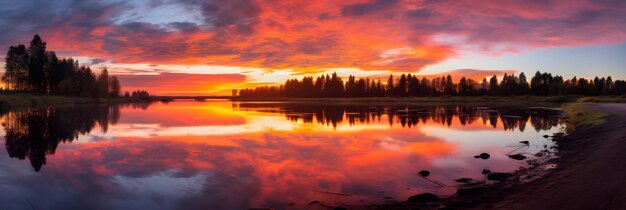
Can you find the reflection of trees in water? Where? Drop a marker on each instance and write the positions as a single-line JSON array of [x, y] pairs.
[[142, 106], [35, 133], [408, 116]]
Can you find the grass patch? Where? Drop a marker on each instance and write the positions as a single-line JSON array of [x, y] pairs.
[[13, 101], [27, 100], [581, 116], [602, 99]]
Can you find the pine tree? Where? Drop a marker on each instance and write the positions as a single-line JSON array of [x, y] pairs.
[[103, 83], [493, 86], [390, 85], [115, 87], [36, 62], [16, 68]]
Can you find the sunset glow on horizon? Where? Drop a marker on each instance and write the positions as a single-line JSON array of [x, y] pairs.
[[189, 47]]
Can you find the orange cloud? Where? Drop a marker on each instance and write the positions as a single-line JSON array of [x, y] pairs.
[[304, 37], [308, 36]]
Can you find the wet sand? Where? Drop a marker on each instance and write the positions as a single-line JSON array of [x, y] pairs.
[[591, 172]]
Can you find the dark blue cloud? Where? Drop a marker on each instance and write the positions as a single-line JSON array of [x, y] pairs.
[[246, 32], [24, 18], [365, 8], [185, 27]]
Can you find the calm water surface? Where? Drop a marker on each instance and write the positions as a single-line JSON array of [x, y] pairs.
[[225, 155]]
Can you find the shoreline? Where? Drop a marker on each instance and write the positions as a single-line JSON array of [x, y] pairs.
[[589, 174], [448, 99], [9, 101], [590, 168], [16, 101]]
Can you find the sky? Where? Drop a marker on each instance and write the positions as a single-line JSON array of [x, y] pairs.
[[196, 47]]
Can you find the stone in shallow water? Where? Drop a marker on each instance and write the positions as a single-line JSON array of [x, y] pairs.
[[313, 202], [517, 157], [464, 180], [483, 156], [500, 176], [486, 171], [423, 198], [471, 190], [340, 208], [424, 173]]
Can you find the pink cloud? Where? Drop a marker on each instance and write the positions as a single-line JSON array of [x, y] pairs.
[[307, 36]]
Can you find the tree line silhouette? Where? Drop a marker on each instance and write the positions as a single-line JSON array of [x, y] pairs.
[[407, 85], [36, 70], [408, 116]]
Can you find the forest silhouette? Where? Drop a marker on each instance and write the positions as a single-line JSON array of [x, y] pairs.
[[407, 85], [36, 70]]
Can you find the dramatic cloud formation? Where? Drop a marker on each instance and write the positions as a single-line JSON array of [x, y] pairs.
[[308, 36]]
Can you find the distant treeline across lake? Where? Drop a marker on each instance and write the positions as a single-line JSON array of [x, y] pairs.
[[407, 85]]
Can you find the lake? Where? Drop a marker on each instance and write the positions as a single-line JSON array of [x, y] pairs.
[[219, 154]]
